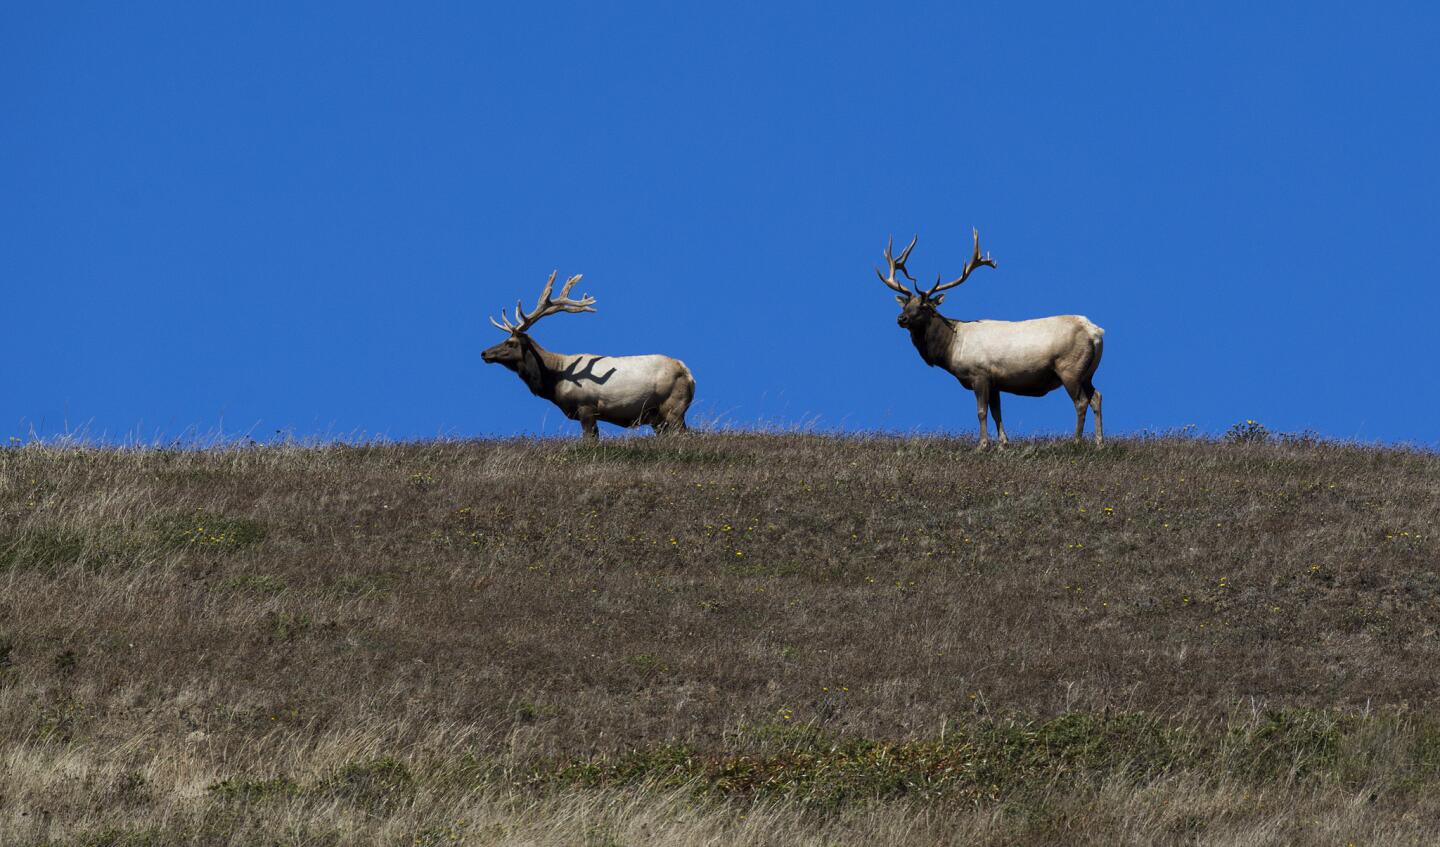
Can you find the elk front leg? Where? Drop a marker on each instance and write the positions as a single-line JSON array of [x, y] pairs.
[[982, 399], [995, 409], [588, 425]]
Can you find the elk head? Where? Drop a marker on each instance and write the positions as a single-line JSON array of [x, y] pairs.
[[918, 306], [511, 351]]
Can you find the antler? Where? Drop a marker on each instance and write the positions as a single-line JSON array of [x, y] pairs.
[[897, 264], [976, 260], [546, 305]]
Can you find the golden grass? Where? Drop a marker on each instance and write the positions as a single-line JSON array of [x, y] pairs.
[[720, 639]]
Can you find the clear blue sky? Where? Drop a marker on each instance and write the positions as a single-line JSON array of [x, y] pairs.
[[297, 216]]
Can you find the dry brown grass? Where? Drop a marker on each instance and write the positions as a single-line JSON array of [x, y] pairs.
[[720, 639]]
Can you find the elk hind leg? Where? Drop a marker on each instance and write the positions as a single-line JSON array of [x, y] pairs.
[[1095, 407], [1081, 399], [671, 423], [670, 417]]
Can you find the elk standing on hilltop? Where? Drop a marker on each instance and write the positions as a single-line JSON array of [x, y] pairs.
[[1031, 358], [623, 390]]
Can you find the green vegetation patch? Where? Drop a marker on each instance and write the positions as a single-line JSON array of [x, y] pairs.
[[985, 760], [377, 784], [995, 759], [52, 548], [207, 530], [1291, 741], [49, 549]]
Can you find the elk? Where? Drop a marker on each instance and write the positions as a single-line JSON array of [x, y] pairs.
[[1030, 358], [624, 390]]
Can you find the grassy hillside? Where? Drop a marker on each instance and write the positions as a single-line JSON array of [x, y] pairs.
[[736, 639]]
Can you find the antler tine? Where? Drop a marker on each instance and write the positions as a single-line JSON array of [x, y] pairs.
[[897, 264], [563, 302], [905, 254], [545, 294], [976, 260], [504, 324]]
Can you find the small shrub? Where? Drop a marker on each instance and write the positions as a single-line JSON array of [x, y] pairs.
[[1248, 432]]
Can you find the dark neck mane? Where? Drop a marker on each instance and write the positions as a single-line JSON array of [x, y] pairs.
[[933, 338], [536, 370]]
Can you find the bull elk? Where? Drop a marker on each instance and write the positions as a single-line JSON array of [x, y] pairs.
[[1030, 358], [624, 390]]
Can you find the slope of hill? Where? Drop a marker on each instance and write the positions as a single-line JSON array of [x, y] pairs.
[[743, 639]]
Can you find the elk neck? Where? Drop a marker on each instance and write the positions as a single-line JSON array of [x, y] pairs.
[[538, 368], [933, 338]]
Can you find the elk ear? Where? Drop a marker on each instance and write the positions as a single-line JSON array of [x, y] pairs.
[[901, 300], [938, 300]]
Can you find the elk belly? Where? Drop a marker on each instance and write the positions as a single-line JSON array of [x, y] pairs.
[[1030, 384]]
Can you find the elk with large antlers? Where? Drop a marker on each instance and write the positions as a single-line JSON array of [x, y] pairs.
[[623, 390], [1030, 358]]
